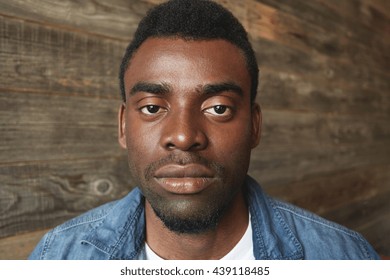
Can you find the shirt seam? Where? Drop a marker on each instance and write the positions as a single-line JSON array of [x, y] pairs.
[[130, 224], [59, 230], [355, 235]]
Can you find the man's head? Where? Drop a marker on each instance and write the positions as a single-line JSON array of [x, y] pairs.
[[192, 20], [189, 121]]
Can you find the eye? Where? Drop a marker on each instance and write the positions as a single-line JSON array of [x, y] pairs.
[[151, 109], [218, 110]]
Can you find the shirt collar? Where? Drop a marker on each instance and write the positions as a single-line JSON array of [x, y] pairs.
[[272, 237], [121, 233]]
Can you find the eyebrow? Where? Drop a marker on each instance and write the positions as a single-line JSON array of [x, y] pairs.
[[208, 89], [154, 88], [221, 87]]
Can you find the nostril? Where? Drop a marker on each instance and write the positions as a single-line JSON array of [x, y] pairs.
[[183, 137], [195, 145], [170, 146]]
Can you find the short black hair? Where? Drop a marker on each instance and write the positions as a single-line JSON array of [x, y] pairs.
[[192, 20]]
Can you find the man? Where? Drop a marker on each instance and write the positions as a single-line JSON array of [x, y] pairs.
[[188, 122]]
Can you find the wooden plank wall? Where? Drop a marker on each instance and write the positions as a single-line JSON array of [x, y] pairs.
[[324, 92]]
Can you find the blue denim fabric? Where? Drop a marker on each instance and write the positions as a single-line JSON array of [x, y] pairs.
[[280, 232]]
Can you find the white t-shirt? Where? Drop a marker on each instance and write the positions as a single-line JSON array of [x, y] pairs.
[[242, 251]]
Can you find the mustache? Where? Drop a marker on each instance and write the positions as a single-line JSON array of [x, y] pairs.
[[183, 159]]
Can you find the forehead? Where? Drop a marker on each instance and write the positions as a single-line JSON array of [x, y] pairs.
[[187, 63]]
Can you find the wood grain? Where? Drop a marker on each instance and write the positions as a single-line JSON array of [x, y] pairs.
[[297, 144], [370, 217], [49, 127], [114, 19], [357, 198], [324, 91], [292, 91], [41, 59], [42, 195], [356, 20], [19, 247], [327, 192]]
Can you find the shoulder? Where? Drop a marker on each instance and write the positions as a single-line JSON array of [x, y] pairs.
[[63, 241], [303, 232], [66, 240], [321, 238]]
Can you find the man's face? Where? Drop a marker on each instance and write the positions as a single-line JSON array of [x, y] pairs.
[[188, 126]]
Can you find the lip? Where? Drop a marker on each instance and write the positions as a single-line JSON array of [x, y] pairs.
[[184, 179]]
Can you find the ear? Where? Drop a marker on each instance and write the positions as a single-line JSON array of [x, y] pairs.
[[122, 126], [256, 125]]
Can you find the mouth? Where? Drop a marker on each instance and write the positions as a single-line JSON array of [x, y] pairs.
[[184, 179]]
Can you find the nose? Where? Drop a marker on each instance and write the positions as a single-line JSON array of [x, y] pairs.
[[183, 131]]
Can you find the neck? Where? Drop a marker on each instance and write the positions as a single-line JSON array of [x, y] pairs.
[[213, 244]]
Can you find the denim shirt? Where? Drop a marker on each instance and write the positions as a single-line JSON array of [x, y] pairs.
[[281, 231]]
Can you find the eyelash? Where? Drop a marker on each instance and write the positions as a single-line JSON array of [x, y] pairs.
[[225, 112], [218, 107], [147, 107]]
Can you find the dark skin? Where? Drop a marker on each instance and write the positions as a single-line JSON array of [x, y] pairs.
[[189, 126]]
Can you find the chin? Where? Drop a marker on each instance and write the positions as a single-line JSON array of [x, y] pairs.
[[196, 222], [190, 214]]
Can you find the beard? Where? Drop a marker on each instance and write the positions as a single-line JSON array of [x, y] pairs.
[[198, 222], [189, 214]]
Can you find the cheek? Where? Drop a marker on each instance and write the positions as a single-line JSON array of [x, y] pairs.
[[232, 144], [141, 146]]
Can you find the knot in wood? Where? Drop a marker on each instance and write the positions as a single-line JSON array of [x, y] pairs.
[[103, 186]]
